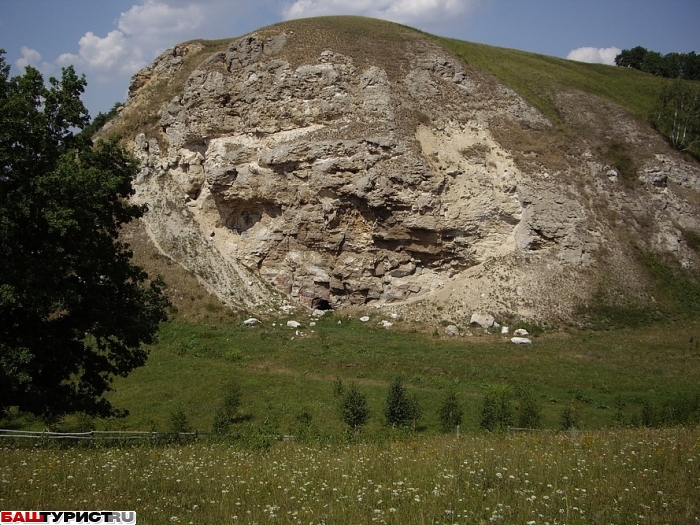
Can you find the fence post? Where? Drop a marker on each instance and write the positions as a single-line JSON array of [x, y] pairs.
[[154, 436], [457, 430]]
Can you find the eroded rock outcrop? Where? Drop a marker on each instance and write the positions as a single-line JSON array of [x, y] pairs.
[[376, 180]]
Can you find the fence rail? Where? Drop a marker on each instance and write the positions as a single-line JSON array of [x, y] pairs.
[[97, 435]]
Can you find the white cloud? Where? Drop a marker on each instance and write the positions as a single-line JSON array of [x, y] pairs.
[[157, 21], [595, 55], [420, 12], [31, 57], [142, 32]]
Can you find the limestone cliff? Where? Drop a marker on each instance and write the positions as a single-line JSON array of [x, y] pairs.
[[301, 167]]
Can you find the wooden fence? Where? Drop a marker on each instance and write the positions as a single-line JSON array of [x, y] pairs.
[[101, 435]]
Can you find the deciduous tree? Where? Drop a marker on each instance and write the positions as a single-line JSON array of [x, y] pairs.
[[677, 115], [74, 310]]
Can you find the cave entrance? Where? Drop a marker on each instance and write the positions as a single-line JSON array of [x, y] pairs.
[[319, 303]]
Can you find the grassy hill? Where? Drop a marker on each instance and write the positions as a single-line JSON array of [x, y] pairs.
[[204, 344], [539, 78], [604, 382]]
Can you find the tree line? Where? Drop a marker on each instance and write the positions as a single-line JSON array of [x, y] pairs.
[[676, 114], [671, 65]]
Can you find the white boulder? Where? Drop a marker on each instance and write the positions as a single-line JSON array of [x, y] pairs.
[[318, 313], [387, 324], [364, 319], [504, 330], [485, 321], [520, 340], [521, 332], [252, 321], [293, 324], [452, 330]]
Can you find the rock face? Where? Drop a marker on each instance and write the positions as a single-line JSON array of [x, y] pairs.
[[328, 175]]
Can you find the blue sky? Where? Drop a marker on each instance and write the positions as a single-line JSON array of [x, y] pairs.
[[109, 41]]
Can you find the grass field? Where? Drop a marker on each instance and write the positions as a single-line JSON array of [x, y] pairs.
[[604, 377], [624, 476], [539, 78]]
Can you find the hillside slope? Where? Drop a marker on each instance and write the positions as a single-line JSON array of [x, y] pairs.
[[360, 162]]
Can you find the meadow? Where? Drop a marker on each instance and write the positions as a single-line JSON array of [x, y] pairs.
[[609, 470], [621, 476], [605, 379]]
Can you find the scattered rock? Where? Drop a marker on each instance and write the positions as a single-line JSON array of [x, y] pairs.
[[452, 330], [520, 340], [504, 330], [364, 319], [312, 324], [293, 324], [485, 321], [252, 321], [521, 332], [318, 313], [387, 324]]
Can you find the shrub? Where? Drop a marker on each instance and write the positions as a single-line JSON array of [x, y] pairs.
[[226, 412], [497, 409], [568, 419], [353, 408], [529, 410], [178, 421], [232, 398], [338, 387], [450, 412], [649, 416], [221, 422], [400, 409]]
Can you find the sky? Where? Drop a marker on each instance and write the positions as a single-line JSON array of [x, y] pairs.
[[109, 41]]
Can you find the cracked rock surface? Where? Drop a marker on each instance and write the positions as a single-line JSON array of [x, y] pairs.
[[375, 180]]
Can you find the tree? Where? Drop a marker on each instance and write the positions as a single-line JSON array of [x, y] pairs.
[[672, 65], [529, 410], [400, 409], [227, 410], [178, 422], [677, 115], [450, 412], [497, 410], [100, 120], [353, 408], [74, 311], [633, 58]]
